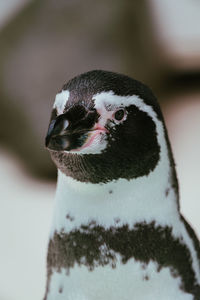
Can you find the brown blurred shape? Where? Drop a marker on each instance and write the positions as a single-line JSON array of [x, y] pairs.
[[49, 42]]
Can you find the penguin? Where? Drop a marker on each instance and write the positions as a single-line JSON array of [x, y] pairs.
[[117, 231]]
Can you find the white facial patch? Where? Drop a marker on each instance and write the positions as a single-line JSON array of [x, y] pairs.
[[60, 101], [109, 99]]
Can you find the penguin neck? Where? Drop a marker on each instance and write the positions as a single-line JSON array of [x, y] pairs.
[[151, 198]]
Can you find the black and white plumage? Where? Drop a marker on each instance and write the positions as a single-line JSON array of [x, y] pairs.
[[117, 231]]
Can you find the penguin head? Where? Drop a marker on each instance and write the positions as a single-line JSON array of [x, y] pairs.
[[104, 126]]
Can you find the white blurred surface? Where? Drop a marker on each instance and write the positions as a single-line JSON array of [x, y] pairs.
[[176, 27], [8, 8], [183, 122], [25, 217]]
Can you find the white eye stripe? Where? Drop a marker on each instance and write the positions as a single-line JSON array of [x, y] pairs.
[[105, 99], [61, 101]]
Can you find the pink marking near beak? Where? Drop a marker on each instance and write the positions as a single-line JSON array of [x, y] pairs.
[[93, 133], [99, 127]]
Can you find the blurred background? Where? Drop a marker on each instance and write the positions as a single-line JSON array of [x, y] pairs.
[[42, 45]]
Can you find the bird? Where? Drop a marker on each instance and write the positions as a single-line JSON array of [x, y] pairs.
[[117, 231]]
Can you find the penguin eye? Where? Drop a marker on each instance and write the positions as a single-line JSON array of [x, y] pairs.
[[119, 114]]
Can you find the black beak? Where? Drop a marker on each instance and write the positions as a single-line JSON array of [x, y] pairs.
[[70, 130], [50, 132]]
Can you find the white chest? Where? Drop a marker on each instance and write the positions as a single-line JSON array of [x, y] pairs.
[[148, 198], [131, 281], [117, 205]]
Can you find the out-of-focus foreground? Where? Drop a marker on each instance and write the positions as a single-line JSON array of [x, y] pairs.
[[45, 43]]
